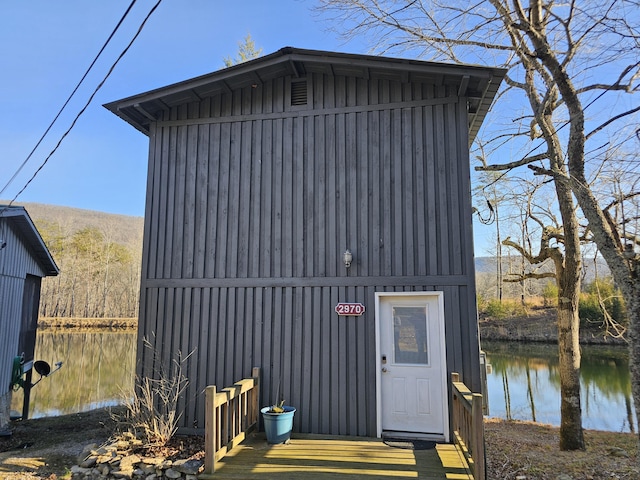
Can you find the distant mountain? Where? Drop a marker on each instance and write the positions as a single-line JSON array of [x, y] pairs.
[[486, 265], [123, 229]]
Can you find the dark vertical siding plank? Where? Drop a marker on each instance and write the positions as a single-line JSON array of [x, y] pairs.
[[258, 335], [315, 349], [233, 216], [334, 364], [420, 238], [277, 180], [307, 381], [442, 194], [295, 357], [228, 336], [213, 191], [256, 222], [385, 185], [238, 319], [286, 192], [190, 199], [267, 347], [353, 353], [361, 203], [200, 219], [370, 386], [213, 343], [375, 241], [341, 138], [266, 199], [309, 193], [178, 200], [432, 193], [408, 210], [287, 321], [244, 200], [364, 325], [200, 342], [321, 167], [165, 244], [221, 332], [299, 219], [455, 172], [181, 352], [152, 213], [224, 181], [249, 330], [398, 237], [165, 252], [331, 232]]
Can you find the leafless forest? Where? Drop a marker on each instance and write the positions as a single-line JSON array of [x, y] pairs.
[[99, 257]]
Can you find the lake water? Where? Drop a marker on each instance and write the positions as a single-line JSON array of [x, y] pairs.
[[524, 384], [98, 370]]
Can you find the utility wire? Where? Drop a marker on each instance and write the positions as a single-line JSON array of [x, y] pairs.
[[68, 99], [64, 135]]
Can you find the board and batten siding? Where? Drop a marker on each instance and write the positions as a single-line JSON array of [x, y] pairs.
[[16, 262], [251, 203]]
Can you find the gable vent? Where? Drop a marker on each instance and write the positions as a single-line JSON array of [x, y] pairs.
[[299, 93]]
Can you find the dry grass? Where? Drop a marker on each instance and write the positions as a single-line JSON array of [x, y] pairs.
[[530, 451]]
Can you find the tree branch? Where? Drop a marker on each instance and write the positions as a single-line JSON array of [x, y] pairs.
[[511, 165], [611, 120]]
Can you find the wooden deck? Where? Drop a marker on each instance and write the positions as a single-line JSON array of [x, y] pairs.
[[314, 457]]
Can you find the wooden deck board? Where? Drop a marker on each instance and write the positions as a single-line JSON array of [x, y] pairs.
[[311, 457]]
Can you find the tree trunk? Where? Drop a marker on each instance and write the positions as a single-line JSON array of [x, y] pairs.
[[625, 271], [631, 294], [571, 435], [568, 275]]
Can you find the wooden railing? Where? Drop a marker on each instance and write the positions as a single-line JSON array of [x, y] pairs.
[[468, 427], [230, 415]]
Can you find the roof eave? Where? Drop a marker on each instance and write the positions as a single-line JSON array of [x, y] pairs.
[[23, 223], [141, 110]]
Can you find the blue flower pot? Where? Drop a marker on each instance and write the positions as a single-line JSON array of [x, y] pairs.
[[278, 426]]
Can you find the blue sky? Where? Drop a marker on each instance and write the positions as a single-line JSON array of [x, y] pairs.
[[46, 47]]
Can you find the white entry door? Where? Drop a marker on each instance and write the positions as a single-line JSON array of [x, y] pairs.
[[412, 373]]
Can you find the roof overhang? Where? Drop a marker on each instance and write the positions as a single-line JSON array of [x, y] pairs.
[[20, 220], [478, 84]]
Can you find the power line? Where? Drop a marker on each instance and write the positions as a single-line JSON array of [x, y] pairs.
[[68, 99], [100, 85]]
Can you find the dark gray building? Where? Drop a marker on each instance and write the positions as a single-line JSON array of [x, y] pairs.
[[24, 260], [261, 177]]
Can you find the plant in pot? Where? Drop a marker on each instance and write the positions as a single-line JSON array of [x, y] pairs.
[[278, 422]]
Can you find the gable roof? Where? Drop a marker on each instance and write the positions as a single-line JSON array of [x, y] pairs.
[[479, 84], [21, 221]]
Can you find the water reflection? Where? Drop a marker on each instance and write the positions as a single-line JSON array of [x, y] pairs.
[[525, 385], [98, 367]]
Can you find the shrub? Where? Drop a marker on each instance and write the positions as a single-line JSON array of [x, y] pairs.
[[507, 308], [550, 293], [151, 413], [602, 303]]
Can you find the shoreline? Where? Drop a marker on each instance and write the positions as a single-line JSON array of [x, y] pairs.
[[77, 323], [539, 326]]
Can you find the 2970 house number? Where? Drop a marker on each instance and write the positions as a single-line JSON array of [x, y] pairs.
[[349, 309]]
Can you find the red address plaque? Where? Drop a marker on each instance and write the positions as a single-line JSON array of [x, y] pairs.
[[349, 309]]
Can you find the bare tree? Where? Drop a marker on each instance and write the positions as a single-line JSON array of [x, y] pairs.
[[565, 60], [493, 194]]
